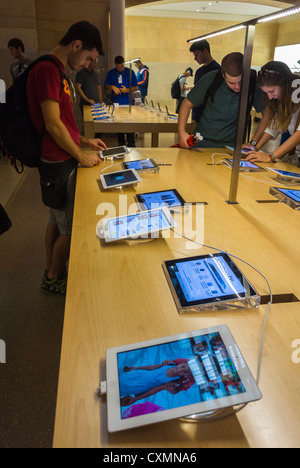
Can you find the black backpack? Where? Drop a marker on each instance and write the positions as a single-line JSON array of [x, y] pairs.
[[19, 139], [176, 88]]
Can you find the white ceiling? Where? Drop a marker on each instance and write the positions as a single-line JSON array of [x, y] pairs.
[[235, 11]]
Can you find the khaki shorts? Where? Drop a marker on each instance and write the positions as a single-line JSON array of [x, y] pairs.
[[64, 216]]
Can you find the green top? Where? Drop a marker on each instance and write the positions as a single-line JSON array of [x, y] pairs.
[[219, 119]]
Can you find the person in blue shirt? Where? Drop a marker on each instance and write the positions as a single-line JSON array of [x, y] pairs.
[[142, 77], [118, 83]]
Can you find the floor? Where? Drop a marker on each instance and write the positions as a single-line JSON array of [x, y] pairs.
[[31, 323]]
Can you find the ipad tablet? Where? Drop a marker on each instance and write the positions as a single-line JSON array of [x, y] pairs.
[[101, 117], [286, 176], [176, 376], [290, 197], [247, 166], [208, 282], [170, 198], [120, 179], [141, 165], [142, 225], [243, 151], [116, 151]]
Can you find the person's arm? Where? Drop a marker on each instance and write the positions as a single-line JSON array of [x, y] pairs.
[[259, 132], [264, 121], [125, 90], [112, 88], [61, 136], [94, 143], [183, 116], [278, 153], [82, 95]]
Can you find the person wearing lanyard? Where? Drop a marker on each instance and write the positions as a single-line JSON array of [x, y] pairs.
[[118, 83]]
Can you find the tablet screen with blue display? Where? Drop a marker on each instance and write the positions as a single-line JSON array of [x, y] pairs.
[[245, 164], [175, 376], [207, 279], [288, 174], [293, 194], [140, 164], [138, 224], [169, 198], [120, 178]]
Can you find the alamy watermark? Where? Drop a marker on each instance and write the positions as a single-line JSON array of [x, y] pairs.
[[296, 93], [2, 352], [296, 353], [189, 220]]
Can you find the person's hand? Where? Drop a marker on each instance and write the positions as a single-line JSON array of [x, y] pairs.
[[127, 400], [183, 136], [89, 159], [171, 387], [96, 144], [258, 156], [91, 101], [116, 90], [124, 90]]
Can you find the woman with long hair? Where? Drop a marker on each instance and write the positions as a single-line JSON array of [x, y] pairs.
[[281, 88]]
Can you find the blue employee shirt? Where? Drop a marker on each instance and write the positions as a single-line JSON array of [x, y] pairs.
[[114, 78]]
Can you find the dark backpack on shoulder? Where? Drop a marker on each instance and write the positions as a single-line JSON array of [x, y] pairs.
[[176, 88], [18, 138], [218, 80]]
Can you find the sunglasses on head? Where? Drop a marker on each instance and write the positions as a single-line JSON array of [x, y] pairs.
[[268, 72]]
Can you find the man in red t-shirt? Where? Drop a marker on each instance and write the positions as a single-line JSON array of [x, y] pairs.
[[51, 109]]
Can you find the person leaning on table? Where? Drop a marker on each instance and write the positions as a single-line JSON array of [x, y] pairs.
[[218, 122], [283, 103]]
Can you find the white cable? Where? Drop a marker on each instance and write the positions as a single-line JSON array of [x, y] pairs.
[[240, 407], [107, 167]]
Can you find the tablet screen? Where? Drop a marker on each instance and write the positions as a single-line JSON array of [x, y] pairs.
[[140, 164], [176, 374], [115, 151], [138, 224], [293, 194], [163, 198], [285, 173], [119, 178], [243, 151], [207, 279], [246, 164]]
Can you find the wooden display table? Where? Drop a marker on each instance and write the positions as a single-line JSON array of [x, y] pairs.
[[139, 120], [117, 294]]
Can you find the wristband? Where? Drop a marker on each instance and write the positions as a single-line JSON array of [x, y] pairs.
[[272, 157]]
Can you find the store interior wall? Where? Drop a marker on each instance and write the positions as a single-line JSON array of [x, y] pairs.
[[162, 45], [160, 42]]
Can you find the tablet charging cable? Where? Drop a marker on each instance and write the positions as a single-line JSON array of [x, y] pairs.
[[219, 414]]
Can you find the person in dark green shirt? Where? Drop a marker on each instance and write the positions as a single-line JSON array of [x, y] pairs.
[[218, 121]]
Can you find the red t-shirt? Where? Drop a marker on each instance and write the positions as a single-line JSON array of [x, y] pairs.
[[44, 82]]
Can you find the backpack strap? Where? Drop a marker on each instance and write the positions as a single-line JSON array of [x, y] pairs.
[[50, 58], [216, 83]]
